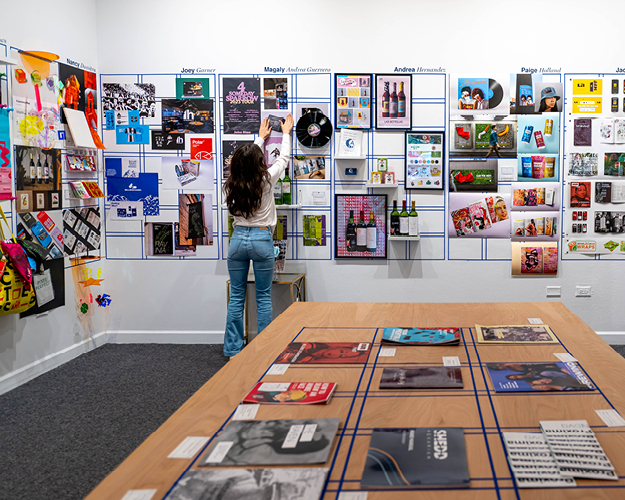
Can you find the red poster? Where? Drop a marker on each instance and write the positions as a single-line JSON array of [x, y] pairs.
[[202, 149]]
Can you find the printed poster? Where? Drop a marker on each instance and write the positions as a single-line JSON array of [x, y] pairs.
[[228, 148], [241, 105], [314, 230], [143, 188]]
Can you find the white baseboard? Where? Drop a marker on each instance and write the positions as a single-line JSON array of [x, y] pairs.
[[614, 338], [165, 337], [43, 365]]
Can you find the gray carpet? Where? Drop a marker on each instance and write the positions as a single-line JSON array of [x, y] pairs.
[[64, 432]]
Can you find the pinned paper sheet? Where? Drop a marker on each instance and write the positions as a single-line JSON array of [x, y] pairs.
[[535, 321], [79, 128], [353, 495]]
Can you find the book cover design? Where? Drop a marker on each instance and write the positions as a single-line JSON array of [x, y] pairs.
[[580, 194], [314, 232], [613, 164], [237, 484], [291, 393], [142, 188], [582, 132], [325, 352], [430, 377], [538, 377], [518, 334], [163, 242], [426, 457], [422, 336], [273, 442]]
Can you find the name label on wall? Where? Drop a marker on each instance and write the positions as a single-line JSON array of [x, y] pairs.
[[192, 71], [420, 69], [540, 70], [80, 65]]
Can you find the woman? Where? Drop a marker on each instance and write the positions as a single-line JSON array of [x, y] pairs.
[[548, 100], [249, 196]]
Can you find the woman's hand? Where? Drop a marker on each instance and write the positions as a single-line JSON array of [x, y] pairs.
[[265, 129], [287, 124]]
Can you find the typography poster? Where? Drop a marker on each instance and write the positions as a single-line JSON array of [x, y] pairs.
[[241, 105]]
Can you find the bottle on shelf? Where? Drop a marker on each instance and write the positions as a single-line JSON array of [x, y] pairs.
[[372, 234], [277, 192], [286, 188], [361, 233], [350, 233], [32, 172], [403, 220], [401, 101], [39, 170], [46, 170], [395, 220], [413, 221], [393, 102], [385, 99]]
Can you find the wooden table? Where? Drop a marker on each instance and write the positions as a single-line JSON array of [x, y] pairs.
[[361, 406]]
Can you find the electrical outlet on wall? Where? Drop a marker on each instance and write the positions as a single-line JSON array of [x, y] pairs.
[[583, 290]]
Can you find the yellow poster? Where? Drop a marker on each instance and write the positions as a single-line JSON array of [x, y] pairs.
[[592, 86], [587, 104]]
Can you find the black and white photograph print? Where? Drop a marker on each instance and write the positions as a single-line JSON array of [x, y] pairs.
[[130, 96]]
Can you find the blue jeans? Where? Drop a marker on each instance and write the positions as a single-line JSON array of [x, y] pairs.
[[255, 244]]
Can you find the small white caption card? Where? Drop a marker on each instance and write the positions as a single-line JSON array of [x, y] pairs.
[[278, 369], [611, 418], [139, 495], [189, 447], [219, 452], [565, 357], [387, 352], [245, 412], [535, 321], [451, 361]]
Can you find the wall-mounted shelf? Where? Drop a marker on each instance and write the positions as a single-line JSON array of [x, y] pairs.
[[384, 186], [278, 207], [403, 238], [350, 157]]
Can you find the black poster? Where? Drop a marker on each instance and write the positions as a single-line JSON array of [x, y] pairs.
[[164, 140], [163, 239], [228, 148], [241, 105], [57, 275]]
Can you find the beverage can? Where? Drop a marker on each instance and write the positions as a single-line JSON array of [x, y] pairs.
[[527, 134], [540, 143], [548, 127]]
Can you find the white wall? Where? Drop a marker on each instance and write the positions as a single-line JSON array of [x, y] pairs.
[[244, 36], [32, 345]]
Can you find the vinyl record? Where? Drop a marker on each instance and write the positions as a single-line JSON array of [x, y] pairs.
[[497, 94], [313, 129]]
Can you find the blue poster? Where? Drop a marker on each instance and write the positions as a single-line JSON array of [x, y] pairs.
[[132, 134], [143, 188]]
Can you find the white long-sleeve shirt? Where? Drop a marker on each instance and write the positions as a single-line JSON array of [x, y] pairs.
[[266, 214]]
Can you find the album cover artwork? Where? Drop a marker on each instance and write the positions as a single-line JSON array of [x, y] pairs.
[[533, 377]]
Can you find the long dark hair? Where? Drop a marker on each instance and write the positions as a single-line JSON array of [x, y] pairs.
[[244, 187]]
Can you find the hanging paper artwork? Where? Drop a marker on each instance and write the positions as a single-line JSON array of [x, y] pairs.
[[35, 99]]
